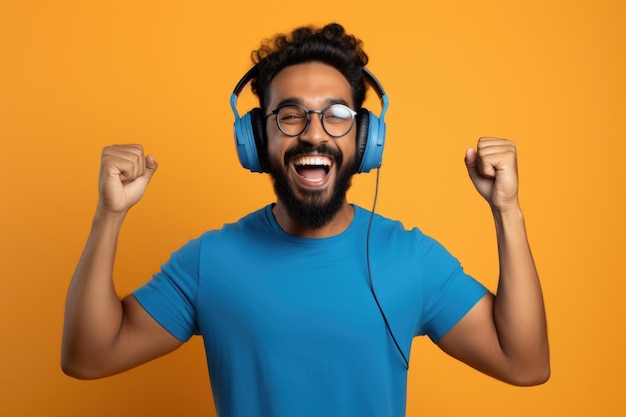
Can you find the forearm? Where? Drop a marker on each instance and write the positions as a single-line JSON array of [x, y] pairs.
[[93, 312], [519, 313]]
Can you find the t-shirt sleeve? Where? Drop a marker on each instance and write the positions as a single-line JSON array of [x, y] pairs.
[[449, 293], [170, 296]]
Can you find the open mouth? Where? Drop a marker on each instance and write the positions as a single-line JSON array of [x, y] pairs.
[[312, 169]]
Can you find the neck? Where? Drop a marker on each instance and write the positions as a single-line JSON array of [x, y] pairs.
[[337, 225]]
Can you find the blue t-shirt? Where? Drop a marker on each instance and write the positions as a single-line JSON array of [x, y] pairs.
[[290, 324]]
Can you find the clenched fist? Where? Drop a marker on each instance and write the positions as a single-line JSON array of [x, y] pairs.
[[124, 175], [492, 167]]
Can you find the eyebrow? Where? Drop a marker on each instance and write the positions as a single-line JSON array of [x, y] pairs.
[[300, 102]]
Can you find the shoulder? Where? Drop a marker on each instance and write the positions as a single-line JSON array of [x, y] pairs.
[[408, 246], [251, 230], [252, 222], [391, 230]]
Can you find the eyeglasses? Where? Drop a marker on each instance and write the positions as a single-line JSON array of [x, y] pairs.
[[293, 119]]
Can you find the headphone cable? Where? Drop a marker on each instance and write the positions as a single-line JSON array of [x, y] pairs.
[[369, 272]]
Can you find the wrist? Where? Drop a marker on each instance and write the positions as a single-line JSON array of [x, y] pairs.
[[509, 219], [108, 217], [512, 209]]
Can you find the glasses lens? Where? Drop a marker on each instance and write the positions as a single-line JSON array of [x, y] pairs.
[[291, 120], [338, 119]]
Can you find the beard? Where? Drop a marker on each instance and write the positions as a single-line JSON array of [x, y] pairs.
[[313, 210]]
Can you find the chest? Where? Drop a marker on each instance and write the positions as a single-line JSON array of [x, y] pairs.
[[299, 295]]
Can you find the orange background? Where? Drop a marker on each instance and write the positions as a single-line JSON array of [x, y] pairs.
[[76, 75]]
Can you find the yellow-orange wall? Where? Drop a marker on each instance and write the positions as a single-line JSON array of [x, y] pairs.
[[78, 75]]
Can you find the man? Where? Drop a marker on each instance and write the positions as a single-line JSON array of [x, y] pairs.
[[308, 306]]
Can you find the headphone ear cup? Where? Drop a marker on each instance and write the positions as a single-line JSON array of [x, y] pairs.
[[257, 122], [247, 139], [362, 133], [370, 141], [245, 144]]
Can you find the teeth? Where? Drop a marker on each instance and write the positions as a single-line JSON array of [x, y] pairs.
[[317, 160]]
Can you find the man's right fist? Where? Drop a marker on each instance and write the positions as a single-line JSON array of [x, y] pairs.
[[124, 175]]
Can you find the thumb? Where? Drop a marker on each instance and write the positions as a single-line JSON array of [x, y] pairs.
[[151, 167], [470, 162], [136, 188]]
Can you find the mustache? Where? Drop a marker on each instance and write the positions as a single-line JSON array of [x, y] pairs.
[[305, 148]]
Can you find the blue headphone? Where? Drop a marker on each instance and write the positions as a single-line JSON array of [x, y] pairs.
[[251, 142]]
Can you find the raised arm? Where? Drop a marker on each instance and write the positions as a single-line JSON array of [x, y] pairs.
[[505, 335], [102, 334]]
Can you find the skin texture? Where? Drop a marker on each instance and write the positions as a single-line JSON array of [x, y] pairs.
[[102, 335], [315, 86], [503, 336]]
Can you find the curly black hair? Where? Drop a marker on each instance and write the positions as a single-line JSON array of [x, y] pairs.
[[329, 44]]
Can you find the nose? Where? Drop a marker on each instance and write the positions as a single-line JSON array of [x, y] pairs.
[[314, 132]]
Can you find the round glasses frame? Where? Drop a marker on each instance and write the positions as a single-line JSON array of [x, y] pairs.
[[341, 108]]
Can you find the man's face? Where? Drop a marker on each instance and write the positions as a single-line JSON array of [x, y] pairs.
[[312, 171]]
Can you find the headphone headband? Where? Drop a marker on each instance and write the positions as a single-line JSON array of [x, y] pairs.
[[248, 76], [367, 74]]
